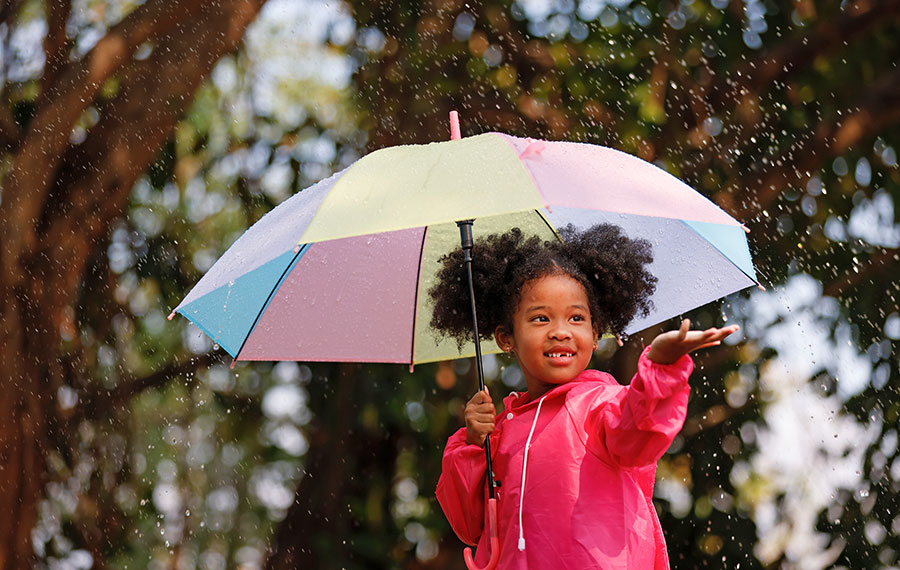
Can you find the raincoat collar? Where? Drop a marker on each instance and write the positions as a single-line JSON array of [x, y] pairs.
[[522, 401]]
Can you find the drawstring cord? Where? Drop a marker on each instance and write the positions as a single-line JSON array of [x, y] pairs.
[[524, 468]]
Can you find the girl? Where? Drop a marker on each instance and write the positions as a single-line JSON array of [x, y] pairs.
[[576, 454]]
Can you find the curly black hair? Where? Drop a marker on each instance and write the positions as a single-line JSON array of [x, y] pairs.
[[609, 265]]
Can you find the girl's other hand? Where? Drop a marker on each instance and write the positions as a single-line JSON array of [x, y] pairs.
[[480, 414], [672, 345]]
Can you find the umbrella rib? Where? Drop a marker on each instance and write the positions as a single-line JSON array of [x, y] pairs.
[[412, 348], [549, 225], [300, 251]]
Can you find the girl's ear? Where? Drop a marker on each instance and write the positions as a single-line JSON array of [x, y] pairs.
[[504, 339]]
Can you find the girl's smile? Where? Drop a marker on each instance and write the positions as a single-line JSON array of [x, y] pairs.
[[553, 336]]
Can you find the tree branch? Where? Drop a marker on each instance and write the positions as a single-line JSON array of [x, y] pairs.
[[878, 110], [56, 44], [790, 56], [80, 81], [883, 264], [98, 175], [100, 403], [35, 164], [9, 10], [428, 34], [9, 129]]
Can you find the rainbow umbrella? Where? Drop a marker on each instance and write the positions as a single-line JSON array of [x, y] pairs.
[[340, 271]]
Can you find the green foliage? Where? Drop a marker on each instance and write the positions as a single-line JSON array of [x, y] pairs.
[[201, 468]]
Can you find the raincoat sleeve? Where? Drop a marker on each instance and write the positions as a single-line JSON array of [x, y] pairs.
[[636, 426], [461, 487]]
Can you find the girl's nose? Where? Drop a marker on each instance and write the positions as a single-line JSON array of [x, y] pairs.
[[560, 332]]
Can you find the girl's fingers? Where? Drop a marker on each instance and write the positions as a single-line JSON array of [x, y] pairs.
[[722, 333], [474, 416], [699, 337], [487, 408], [718, 334], [689, 340], [487, 418], [715, 336], [482, 397], [725, 331]]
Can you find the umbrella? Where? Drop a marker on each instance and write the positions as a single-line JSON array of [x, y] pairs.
[[362, 246]]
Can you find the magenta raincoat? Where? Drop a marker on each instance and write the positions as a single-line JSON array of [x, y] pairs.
[[589, 475]]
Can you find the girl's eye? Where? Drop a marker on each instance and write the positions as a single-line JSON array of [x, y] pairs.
[[578, 318], [539, 318]]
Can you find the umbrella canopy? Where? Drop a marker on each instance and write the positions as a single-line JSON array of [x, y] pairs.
[[341, 270]]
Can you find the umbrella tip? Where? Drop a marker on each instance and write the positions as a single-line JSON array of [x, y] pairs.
[[745, 228], [454, 125], [534, 147], [233, 362], [171, 315], [411, 368], [761, 288]]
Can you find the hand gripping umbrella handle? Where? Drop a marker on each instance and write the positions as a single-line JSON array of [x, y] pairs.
[[494, 535]]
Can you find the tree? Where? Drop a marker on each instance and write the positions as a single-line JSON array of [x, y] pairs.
[[118, 193], [75, 140]]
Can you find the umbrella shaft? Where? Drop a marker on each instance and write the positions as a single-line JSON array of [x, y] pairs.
[[465, 235]]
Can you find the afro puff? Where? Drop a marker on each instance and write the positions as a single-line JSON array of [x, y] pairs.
[[609, 265]]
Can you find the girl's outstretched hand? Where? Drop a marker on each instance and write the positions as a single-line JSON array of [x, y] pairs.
[[480, 413], [672, 345]]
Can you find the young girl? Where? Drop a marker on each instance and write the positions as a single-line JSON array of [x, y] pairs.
[[576, 454]]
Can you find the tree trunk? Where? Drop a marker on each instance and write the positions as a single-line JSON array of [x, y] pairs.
[[315, 524], [58, 205], [23, 421], [344, 461]]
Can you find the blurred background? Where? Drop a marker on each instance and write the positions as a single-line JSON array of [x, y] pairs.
[[138, 140]]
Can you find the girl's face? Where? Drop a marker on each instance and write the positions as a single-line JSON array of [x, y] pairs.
[[553, 337]]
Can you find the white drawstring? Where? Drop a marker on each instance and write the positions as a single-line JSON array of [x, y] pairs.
[[524, 467]]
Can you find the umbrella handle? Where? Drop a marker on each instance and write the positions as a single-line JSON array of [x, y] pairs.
[[494, 534]]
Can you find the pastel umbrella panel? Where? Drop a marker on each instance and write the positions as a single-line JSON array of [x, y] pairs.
[[371, 235]]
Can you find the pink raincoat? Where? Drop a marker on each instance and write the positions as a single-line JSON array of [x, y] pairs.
[[589, 476]]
